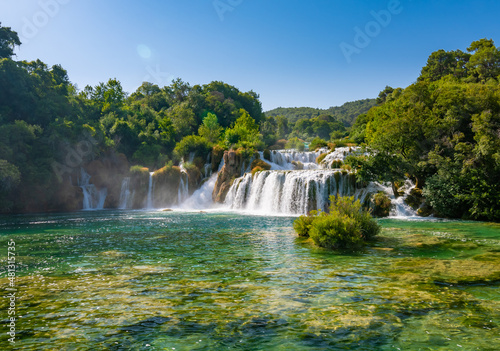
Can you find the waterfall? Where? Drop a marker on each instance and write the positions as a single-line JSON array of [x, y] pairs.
[[339, 154], [288, 159], [126, 196], [291, 192], [93, 199], [149, 202], [399, 207], [201, 198], [183, 191]]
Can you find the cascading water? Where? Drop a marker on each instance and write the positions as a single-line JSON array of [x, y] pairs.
[[149, 202], [201, 198], [183, 191], [126, 196], [339, 154], [93, 199], [291, 192], [290, 159]]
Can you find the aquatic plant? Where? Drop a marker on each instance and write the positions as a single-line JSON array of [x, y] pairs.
[[346, 226]]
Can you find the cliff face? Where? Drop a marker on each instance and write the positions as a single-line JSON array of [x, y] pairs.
[[166, 186], [108, 172], [230, 171]]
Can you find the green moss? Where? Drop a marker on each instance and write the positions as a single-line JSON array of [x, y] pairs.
[[414, 199], [336, 164], [321, 157], [260, 163], [381, 204], [467, 271], [298, 165], [256, 170], [425, 210], [267, 154]]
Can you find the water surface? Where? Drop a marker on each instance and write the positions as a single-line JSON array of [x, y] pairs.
[[120, 280]]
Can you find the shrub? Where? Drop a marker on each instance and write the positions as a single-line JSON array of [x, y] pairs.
[[321, 157], [139, 170], [267, 154], [197, 145], [339, 143], [347, 226], [295, 143], [382, 204], [280, 145], [336, 231], [302, 225], [298, 165], [260, 163], [317, 143], [336, 164], [256, 169]]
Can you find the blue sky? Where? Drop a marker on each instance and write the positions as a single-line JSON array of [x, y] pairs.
[[291, 52]]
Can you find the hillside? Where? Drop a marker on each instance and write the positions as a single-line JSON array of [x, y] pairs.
[[346, 113]]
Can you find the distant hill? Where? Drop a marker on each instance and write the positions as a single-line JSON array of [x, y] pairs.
[[346, 113]]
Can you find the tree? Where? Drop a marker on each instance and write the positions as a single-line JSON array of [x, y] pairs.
[[8, 41], [382, 96], [210, 129], [442, 63], [245, 132], [485, 60]]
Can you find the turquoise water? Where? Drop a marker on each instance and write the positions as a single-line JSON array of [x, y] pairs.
[[137, 280]]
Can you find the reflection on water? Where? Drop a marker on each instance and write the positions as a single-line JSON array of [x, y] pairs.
[[122, 280]]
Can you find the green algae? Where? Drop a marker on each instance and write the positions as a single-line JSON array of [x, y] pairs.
[[122, 280]]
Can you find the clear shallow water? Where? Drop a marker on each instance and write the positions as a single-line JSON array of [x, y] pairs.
[[120, 280]]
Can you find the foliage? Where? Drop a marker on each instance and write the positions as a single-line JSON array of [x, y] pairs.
[[302, 225], [295, 143], [442, 131], [10, 178], [260, 163], [193, 145], [317, 143], [245, 133], [210, 128], [381, 204], [346, 226], [346, 113], [321, 157], [8, 40]]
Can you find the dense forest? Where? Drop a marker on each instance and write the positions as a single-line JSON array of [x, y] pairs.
[[346, 113], [443, 131]]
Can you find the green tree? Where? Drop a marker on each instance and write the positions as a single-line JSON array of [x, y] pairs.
[[245, 132], [8, 41], [210, 129], [485, 60]]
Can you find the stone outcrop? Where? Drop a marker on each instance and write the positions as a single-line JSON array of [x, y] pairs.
[[230, 171], [108, 172], [166, 182]]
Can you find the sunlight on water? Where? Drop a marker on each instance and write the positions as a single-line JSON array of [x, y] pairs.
[[155, 280]]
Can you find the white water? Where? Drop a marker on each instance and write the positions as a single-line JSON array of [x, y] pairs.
[[339, 154], [282, 159], [282, 190], [149, 201], [201, 198], [93, 199], [126, 196], [399, 208], [183, 191], [291, 192]]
